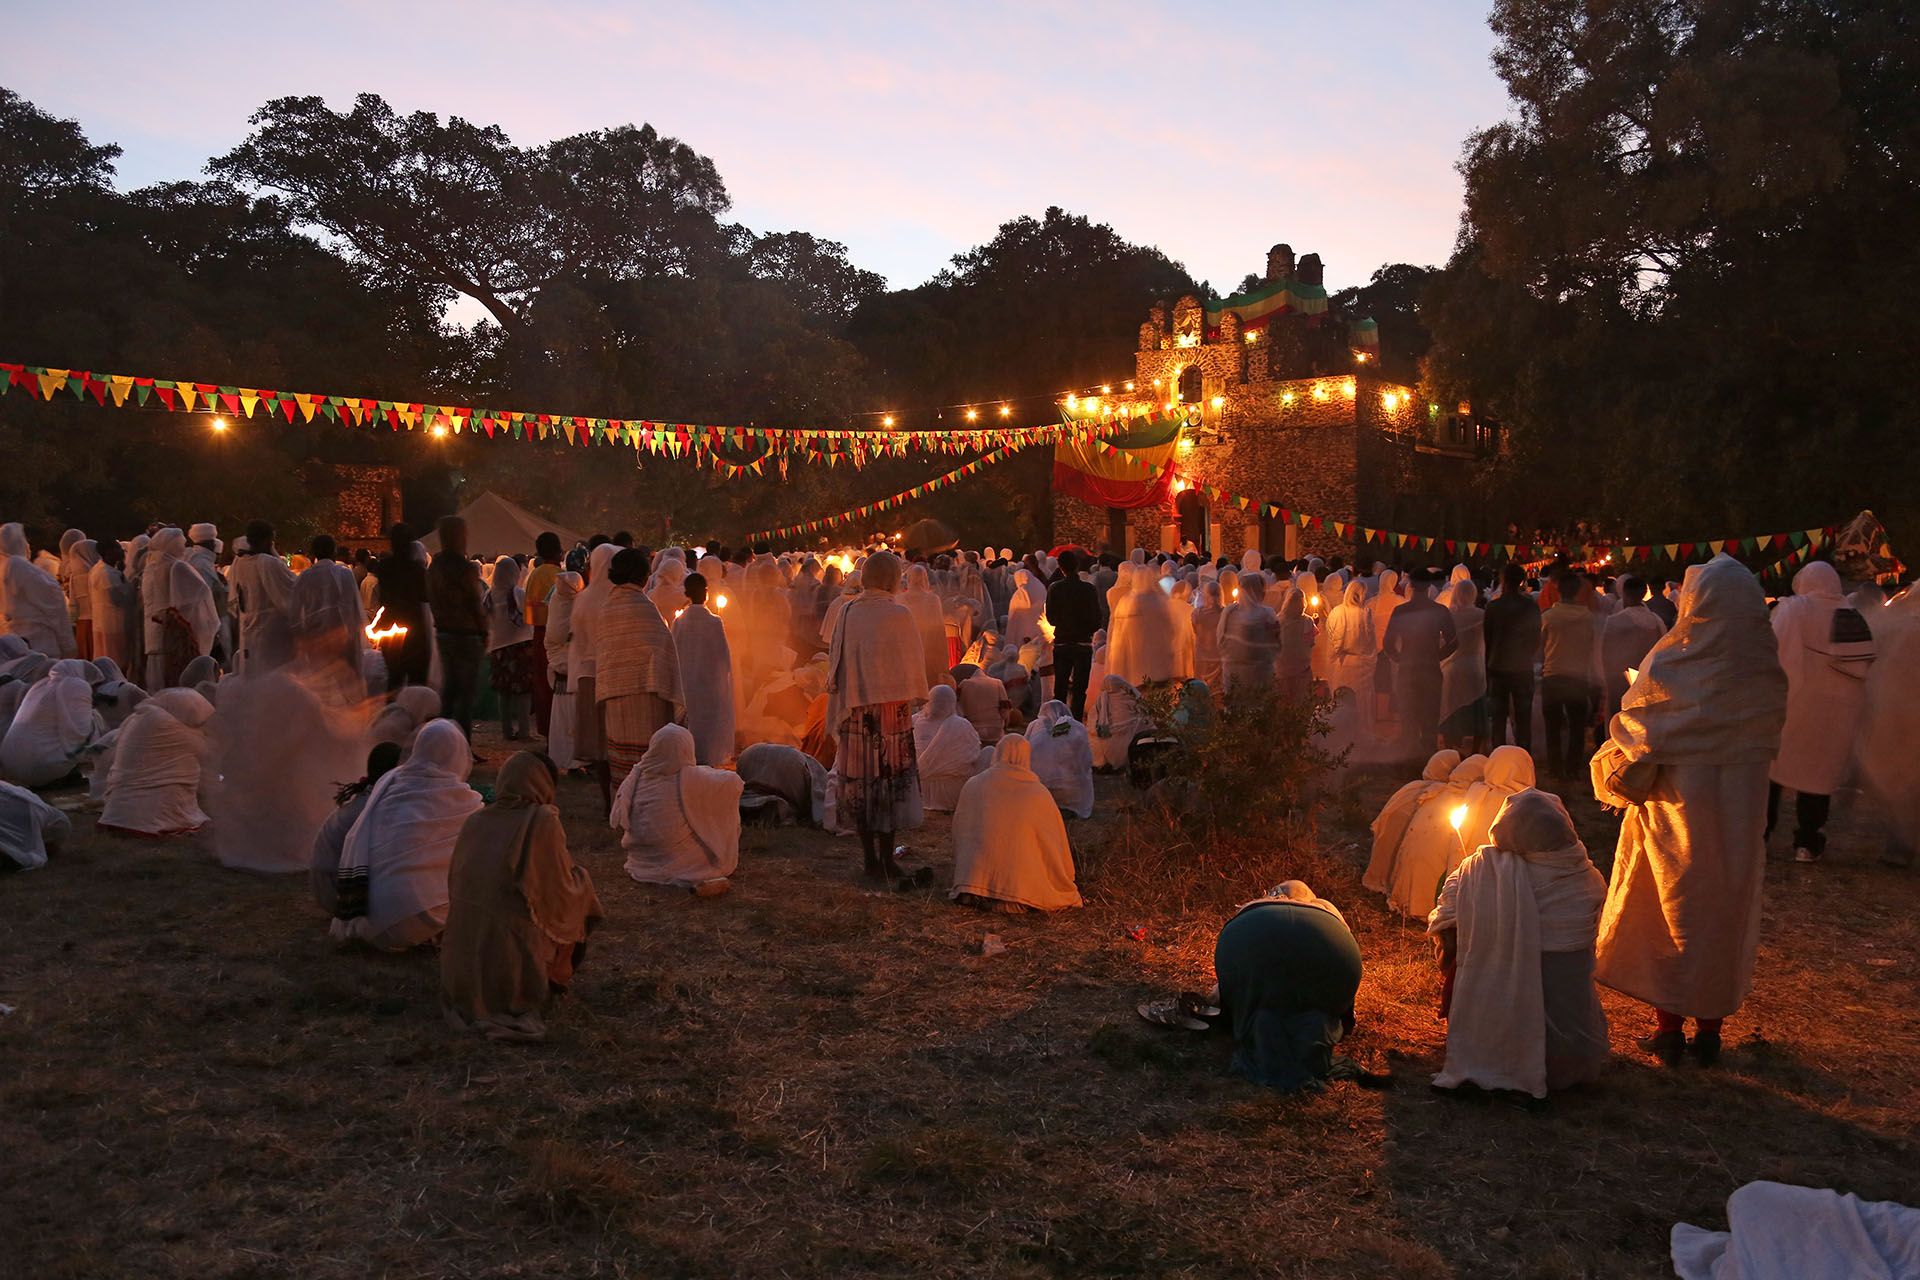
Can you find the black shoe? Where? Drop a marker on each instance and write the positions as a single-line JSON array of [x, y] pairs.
[[1706, 1048], [1668, 1046]]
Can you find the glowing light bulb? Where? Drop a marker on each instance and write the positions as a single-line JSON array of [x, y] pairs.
[[1218, 401], [1156, 382], [1286, 397], [1314, 603], [1106, 390], [1389, 401], [1129, 386], [1093, 405], [1072, 400], [1251, 335], [1319, 392], [437, 429], [973, 415], [219, 424], [720, 601], [1348, 387], [1005, 411], [887, 421], [1360, 357]]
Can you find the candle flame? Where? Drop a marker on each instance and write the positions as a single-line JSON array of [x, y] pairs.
[[1458, 816], [376, 634], [720, 602]]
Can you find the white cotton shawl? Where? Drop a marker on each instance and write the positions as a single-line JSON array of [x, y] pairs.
[[1024, 610], [1009, 842], [52, 730], [1463, 673], [1712, 690], [1530, 890], [560, 606], [1780, 1232], [1826, 684], [403, 840], [875, 657], [154, 780], [505, 605], [680, 820], [189, 594], [281, 752], [1390, 825], [262, 587], [706, 682], [115, 632], [946, 749], [1063, 758], [32, 606], [1116, 719], [586, 613], [1150, 637], [25, 822]]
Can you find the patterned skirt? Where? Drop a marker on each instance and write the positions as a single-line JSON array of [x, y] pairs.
[[879, 772], [629, 723], [516, 667]]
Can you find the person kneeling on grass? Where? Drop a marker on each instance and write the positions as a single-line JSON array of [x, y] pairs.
[[351, 802], [519, 910], [1010, 851], [153, 779], [1515, 926], [392, 883], [681, 820], [30, 829], [1288, 970]]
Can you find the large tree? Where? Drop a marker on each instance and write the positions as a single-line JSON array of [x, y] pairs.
[[1687, 261]]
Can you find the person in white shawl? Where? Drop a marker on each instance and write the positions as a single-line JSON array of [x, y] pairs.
[[30, 829], [1397, 814], [1063, 758], [1515, 925], [282, 747], [1827, 650], [1780, 1232], [1249, 638], [392, 882], [1206, 634], [55, 726], [1025, 608], [189, 596], [946, 748], [327, 621], [1116, 719], [32, 605], [1010, 850], [1687, 758], [1150, 640], [153, 781], [876, 676], [1463, 673], [1432, 845], [510, 652], [680, 821], [582, 673], [559, 642], [1889, 767], [667, 587], [78, 555], [706, 673], [167, 547], [929, 618], [262, 587], [115, 697], [116, 610]]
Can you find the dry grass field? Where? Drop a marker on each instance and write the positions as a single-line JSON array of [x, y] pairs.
[[809, 1077]]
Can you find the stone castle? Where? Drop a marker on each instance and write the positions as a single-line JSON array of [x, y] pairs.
[[1285, 403]]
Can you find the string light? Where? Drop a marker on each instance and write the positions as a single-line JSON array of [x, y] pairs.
[[1347, 385], [973, 415], [887, 421], [438, 429], [219, 424], [1106, 391], [1218, 401], [1251, 334], [1129, 386], [1286, 397], [1360, 357], [1319, 391], [1072, 400], [1389, 401], [1006, 411]]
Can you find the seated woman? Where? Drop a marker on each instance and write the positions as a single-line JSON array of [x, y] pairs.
[[1063, 758], [984, 702], [115, 697], [1116, 719], [392, 883], [519, 910], [790, 776], [401, 720], [54, 728], [30, 829], [350, 800], [1515, 926], [1288, 970], [946, 747], [1433, 846], [153, 781], [1397, 814], [1508, 772], [681, 820], [202, 675], [1010, 851]]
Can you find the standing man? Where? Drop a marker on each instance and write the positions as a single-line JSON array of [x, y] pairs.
[[262, 586], [1568, 637], [546, 567], [1513, 642], [1073, 610], [459, 621], [1420, 636], [1826, 648]]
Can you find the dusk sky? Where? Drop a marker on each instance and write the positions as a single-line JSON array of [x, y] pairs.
[[907, 131]]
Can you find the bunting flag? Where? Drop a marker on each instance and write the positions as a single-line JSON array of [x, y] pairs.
[[734, 450], [886, 504]]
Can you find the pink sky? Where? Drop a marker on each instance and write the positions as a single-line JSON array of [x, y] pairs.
[[907, 131]]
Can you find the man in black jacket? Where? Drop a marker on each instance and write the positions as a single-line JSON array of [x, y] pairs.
[[1073, 610], [1513, 642]]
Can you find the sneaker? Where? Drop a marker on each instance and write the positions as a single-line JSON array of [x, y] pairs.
[[1805, 856], [1706, 1048], [1667, 1046]]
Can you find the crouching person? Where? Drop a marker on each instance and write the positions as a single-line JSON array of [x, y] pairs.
[[1515, 925], [519, 909]]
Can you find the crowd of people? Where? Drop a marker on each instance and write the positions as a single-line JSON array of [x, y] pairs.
[[856, 690]]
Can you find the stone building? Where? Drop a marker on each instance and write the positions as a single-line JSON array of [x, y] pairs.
[[1285, 404], [362, 502]]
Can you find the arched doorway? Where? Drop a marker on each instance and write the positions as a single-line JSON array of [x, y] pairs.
[[1189, 388], [1190, 510]]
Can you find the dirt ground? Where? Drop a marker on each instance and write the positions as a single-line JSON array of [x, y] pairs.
[[808, 1077]]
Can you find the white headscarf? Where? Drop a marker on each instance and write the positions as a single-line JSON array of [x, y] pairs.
[[506, 606], [402, 843], [586, 612], [1063, 758]]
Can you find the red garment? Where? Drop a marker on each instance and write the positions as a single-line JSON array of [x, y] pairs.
[[542, 684]]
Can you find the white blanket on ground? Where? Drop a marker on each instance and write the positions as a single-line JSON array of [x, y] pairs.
[[1779, 1232]]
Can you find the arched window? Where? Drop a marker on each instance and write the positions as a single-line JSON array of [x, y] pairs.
[[1191, 510], [1190, 384]]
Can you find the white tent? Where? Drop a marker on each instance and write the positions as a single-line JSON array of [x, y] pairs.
[[496, 527]]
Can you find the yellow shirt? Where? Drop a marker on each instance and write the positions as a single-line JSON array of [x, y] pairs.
[[539, 587]]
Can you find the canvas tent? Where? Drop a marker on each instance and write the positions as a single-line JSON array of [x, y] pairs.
[[496, 527]]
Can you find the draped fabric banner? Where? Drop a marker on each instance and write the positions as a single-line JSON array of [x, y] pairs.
[[886, 504], [1107, 477], [733, 451]]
